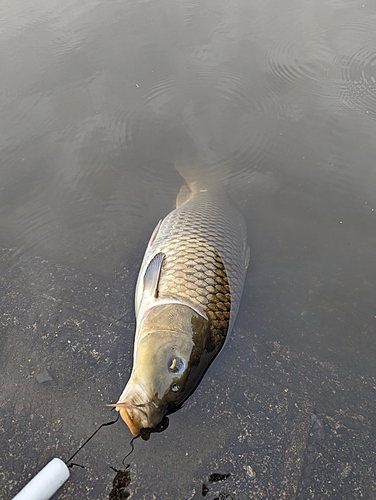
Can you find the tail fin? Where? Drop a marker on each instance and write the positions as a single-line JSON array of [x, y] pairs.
[[200, 177]]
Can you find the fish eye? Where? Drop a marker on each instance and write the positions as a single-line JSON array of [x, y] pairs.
[[175, 387], [176, 365]]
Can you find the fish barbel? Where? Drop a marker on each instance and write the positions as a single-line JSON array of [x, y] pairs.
[[187, 296]]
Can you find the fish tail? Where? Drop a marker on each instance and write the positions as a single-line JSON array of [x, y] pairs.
[[200, 177]]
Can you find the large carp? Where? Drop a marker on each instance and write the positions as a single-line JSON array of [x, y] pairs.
[[187, 296]]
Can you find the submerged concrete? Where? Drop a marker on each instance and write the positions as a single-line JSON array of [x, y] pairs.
[[274, 421]]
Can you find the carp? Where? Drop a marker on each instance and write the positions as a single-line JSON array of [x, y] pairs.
[[187, 297]]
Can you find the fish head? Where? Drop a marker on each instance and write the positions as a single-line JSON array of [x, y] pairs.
[[168, 364]]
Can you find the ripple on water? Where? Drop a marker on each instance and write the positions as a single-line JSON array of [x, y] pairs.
[[65, 41], [118, 127], [192, 11], [357, 87], [161, 92], [36, 225], [204, 96], [352, 71], [236, 89], [299, 57]]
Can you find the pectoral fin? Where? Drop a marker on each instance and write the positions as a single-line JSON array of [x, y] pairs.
[[152, 275]]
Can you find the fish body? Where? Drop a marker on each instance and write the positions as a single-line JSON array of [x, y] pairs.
[[187, 296]]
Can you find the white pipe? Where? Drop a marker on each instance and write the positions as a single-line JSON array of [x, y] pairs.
[[46, 482]]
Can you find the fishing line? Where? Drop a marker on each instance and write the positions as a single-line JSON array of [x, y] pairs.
[[145, 435], [53, 475], [130, 453], [88, 439]]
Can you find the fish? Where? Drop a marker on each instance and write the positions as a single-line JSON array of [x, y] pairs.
[[187, 297]]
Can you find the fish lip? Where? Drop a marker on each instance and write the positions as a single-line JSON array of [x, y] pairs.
[[135, 429], [135, 414], [128, 415]]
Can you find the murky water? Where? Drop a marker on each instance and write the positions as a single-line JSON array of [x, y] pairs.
[[97, 101]]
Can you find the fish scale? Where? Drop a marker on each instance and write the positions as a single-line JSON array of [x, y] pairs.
[[198, 260]]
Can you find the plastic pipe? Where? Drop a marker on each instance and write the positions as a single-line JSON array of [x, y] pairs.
[[46, 482]]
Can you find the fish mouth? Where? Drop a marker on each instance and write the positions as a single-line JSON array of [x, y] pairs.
[[135, 418], [136, 408], [134, 424]]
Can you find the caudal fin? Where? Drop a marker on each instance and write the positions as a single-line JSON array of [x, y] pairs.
[[198, 177]]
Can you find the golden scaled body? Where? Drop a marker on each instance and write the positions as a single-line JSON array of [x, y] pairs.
[[187, 297]]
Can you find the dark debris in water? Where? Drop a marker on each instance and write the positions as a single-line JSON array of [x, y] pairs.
[[120, 482], [204, 490], [213, 478]]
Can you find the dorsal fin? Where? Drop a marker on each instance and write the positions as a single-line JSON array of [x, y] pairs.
[[184, 195], [152, 275]]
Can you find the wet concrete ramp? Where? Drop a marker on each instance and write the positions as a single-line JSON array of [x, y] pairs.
[[266, 422]]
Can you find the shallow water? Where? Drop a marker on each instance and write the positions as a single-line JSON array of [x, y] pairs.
[[98, 100]]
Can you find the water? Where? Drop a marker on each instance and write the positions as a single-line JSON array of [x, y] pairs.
[[97, 101]]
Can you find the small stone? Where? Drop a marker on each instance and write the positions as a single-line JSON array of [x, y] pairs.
[[43, 377], [250, 472], [318, 429]]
